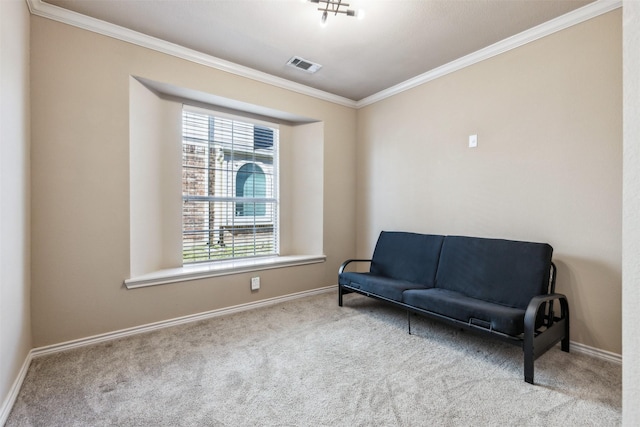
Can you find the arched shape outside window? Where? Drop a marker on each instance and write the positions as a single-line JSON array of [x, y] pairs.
[[251, 183]]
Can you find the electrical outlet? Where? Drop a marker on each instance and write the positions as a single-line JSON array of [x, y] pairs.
[[255, 283]]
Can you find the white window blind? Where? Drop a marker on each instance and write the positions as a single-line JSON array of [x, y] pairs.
[[229, 187]]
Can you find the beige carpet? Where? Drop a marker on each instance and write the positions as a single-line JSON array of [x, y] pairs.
[[311, 363]]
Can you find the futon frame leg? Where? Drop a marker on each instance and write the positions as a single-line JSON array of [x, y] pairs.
[[529, 358], [528, 368], [339, 296], [564, 344]]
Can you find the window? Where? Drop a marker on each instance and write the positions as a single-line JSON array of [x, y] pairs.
[[167, 243], [229, 187]]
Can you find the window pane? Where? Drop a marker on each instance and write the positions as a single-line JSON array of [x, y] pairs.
[[229, 194], [262, 137], [250, 183]]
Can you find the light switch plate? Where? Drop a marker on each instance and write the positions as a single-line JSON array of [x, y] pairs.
[[473, 141]]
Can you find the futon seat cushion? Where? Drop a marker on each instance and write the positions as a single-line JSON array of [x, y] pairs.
[[352, 279], [380, 286], [406, 256], [455, 305], [494, 270]]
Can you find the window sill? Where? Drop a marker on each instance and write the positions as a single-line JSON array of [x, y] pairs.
[[223, 268]]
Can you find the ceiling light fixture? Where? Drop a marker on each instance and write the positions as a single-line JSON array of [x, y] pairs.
[[334, 7]]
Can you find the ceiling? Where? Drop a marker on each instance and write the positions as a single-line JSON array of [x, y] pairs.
[[396, 41]]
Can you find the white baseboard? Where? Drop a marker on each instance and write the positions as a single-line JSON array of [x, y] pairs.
[[9, 401], [55, 348], [577, 347], [7, 405], [82, 342]]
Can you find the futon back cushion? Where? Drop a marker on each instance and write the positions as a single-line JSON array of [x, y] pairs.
[[407, 256], [502, 271]]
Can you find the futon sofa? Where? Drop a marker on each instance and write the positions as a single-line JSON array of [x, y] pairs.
[[501, 288]]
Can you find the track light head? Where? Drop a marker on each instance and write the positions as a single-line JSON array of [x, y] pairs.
[[334, 7]]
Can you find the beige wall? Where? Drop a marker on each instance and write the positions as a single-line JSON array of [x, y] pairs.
[[631, 219], [15, 325], [155, 181], [80, 158], [304, 215], [548, 166]]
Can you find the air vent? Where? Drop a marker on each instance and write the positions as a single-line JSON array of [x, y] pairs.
[[304, 65]]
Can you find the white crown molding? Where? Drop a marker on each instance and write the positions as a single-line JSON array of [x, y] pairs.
[[582, 14], [46, 10], [592, 10]]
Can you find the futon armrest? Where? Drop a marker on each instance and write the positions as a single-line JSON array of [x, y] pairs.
[[347, 262], [537, 302]]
